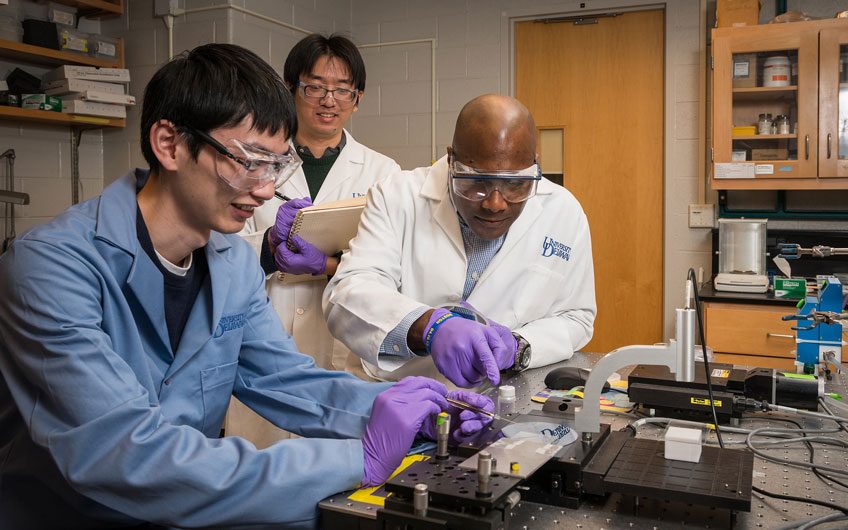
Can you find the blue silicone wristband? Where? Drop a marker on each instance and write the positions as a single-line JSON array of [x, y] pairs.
[[428, 339]]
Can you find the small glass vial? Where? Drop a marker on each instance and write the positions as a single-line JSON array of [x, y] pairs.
[[782, 124], [506, 400], [764, 124]]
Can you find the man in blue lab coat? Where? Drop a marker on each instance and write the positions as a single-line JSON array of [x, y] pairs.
[[128, 321]]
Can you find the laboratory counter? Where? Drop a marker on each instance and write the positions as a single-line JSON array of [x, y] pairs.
[[626, 511], [708, 293]]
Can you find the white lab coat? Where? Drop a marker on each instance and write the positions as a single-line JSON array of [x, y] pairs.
[[409, 253], [299, 305]]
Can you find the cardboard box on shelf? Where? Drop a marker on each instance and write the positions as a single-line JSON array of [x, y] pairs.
[[744, 70], [90, 73], [737, 13], [92, 108], [69, 86], [780, 153]]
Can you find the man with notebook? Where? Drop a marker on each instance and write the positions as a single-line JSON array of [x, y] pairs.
[[482, 232], [326, 76], [128, 321]]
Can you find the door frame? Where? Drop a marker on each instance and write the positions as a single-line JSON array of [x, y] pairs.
[[673, 277]]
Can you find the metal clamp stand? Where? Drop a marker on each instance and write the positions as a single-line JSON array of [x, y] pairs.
[[678, 355]]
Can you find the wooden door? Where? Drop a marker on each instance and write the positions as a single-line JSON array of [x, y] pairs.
[[603, 85]]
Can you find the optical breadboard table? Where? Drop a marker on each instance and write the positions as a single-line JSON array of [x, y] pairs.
[[630, 511]]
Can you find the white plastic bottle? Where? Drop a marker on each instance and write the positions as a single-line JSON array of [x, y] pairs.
[[506, 400]]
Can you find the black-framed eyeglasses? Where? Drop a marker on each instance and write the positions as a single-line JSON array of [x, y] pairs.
[[254, 169], [341, 95]]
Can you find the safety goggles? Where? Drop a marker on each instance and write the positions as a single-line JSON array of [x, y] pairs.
[[343, 96], [477, 184], [247, 168]]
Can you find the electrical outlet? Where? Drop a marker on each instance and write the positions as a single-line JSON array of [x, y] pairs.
[[701, 215]]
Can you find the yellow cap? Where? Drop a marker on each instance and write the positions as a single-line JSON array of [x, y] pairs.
[[514, 467]]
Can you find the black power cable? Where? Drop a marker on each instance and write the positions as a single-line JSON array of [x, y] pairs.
[[692, 278]]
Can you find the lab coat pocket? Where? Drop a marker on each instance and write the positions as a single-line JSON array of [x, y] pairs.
[[535, 293], [217, 386]]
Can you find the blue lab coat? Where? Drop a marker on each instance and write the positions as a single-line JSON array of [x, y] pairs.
[[102, 424]]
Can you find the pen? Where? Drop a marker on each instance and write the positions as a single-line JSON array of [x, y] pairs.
[[468, 406], [280, 196]]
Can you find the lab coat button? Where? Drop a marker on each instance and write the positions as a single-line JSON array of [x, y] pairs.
[[300, 311], [167, 382]]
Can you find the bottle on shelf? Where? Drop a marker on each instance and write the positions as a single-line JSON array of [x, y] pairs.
[[764, 124]]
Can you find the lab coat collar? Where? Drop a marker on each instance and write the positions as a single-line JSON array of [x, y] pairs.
[[119, 201], [116, 222], [435, 187], [352, 153]]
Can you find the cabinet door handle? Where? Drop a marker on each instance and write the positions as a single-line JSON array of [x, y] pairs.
[[828, 145], [780, 335], [807, 147]]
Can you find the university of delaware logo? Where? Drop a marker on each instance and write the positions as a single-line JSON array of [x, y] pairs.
[[552, 247], [229, 323]]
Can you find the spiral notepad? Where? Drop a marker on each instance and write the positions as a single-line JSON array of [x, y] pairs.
[[329, 227]]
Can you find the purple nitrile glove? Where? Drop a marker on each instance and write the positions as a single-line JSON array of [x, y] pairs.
[[396, 417], [466, 424], [505, 357], [279, 233], [464, 351], [305, 259]]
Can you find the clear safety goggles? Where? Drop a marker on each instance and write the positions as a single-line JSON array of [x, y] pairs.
[[247, 168], [477, 184]]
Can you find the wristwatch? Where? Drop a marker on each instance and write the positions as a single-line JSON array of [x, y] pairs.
[[522, 354]]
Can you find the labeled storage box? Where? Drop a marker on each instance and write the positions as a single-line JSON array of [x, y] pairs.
[[41, 102], [790, 287], [737, 13], [744, 70]]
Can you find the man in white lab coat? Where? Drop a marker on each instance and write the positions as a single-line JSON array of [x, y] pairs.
[[480, 228], [326, 76]]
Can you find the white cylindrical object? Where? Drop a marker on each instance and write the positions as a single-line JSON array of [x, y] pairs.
[[776, 71], [506, 400]]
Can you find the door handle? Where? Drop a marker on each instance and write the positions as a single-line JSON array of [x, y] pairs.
[[828, 145], [807, 147], [780, 335]]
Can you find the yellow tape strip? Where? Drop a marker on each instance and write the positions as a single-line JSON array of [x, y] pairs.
[[367, 495]]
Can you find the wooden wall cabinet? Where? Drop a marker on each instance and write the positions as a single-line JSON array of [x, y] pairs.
[[751, 334], [813, 153]]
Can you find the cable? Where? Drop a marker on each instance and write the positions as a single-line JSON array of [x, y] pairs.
[[810, 522], [694, 280], [826, 504], [824, 478], [822, 520], [765, 456]]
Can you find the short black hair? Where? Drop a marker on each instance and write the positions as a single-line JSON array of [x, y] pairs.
[[305, 54], [214, 86]]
